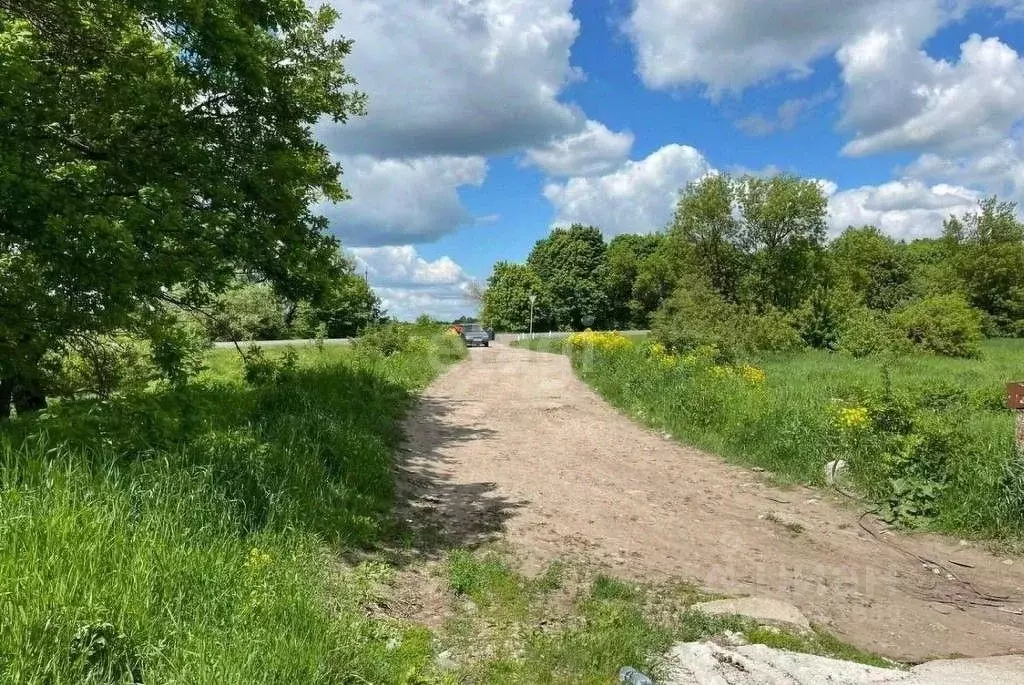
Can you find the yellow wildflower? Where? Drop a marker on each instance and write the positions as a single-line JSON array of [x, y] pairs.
[[257, 559], [690, 360], [721, 371], [853, 417], [607, 342], [657, 350], [753, 375]]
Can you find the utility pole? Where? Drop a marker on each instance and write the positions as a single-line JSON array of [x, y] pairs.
[[533, 298]]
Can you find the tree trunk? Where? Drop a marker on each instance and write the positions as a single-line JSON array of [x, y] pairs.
[[6, 393], [28, 394]]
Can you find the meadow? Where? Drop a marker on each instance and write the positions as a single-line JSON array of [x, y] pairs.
[[926, 439], [192, 534]]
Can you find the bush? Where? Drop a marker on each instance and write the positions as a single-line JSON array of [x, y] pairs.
[[178, 346], [99, 365], [866, 332], [769, 332], [819, 320], [942, 324], [259, 370], [386, 339], [249, 312], [696, 316]]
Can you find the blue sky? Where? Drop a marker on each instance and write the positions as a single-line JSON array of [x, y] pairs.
[[490, 121]]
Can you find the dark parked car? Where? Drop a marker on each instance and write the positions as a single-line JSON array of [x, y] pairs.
[[475, 334]]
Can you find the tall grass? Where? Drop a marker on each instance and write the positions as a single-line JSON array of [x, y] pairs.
[[935, 447], [188, 535]]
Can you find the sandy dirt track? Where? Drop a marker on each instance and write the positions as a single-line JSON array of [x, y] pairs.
[[511, 445]]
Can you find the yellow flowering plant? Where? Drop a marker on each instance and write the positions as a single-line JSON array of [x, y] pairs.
[[853, 418], [604, 341], [753, 375]]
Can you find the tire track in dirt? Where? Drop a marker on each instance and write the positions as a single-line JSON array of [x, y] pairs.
[[511, 445]]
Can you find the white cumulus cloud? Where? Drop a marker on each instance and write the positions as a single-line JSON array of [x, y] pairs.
[[904, 209], [403, 200], [638, 197], [594, 150], [731, 44], [410, 285], [899, 98], [456, 77]]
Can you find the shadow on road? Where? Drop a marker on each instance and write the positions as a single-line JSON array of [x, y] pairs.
[[435, 513]]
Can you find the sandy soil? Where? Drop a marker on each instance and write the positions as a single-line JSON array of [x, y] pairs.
[[510, 445]]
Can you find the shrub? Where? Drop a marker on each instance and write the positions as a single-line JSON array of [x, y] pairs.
[[942, 324], [386, 339], [248, 312], [865, 332], [258, 370], [819, 320], [696, 316], [769, 332], [178, 347], [99, 365]]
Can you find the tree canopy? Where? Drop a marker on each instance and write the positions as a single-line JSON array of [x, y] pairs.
[[151, 145], [570, 264], [507, 298]]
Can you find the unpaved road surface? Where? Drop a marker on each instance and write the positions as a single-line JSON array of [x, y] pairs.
[[510, 445]]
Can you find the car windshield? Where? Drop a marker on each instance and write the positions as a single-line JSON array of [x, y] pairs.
[[471, 327]]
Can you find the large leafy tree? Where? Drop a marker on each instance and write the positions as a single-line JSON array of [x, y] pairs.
[[873, 265], [706, 232], [656, 278], [987, 253], [571, 265], [147, 145], [345, 310], [625, 257], [782, 228], [506, 301]]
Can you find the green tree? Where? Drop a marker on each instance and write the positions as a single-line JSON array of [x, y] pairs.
[[571, 266], [782, 229], [153, 144], [248, 311], [874, 266], [656, 278], [348, 307], [506, 303], [932, 268], [706, 233], [624, 257], [987, 249]]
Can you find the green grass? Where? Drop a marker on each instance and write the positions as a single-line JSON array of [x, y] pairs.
[[190, 535], [949, 466], [587, 627]]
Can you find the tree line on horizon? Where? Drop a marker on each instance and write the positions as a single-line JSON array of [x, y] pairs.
[[746, 263]]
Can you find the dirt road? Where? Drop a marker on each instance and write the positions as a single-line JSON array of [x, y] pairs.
[[510, 445]]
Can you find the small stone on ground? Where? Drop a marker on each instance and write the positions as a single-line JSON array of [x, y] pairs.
[[762, 609]]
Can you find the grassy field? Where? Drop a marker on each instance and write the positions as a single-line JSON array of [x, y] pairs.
[[926, 438], [190, 535]]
